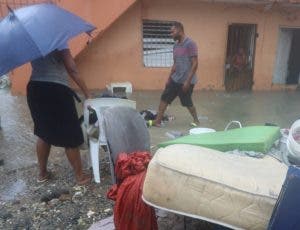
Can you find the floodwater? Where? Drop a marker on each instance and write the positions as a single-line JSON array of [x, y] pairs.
[[16, 136], [18, 187], [13, 189], [215, 109]]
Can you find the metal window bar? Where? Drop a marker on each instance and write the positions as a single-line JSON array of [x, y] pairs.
[[15, 4], [157, 43]]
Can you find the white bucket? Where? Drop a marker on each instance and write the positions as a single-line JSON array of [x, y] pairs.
[[292, 143], [201, 130]]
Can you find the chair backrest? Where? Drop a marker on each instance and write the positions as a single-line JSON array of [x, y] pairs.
[[100, 104], [125, 131]]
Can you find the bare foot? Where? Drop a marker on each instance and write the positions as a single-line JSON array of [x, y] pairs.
[[84, 179], [45, 177]]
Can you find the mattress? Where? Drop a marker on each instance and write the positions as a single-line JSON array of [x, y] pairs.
[[252, 138], [235, 191]]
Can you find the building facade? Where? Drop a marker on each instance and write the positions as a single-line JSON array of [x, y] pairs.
[[134, 44]]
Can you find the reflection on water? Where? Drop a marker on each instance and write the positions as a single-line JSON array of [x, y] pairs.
[[17, 142], [250, 108], [12, 190], [16, 137]]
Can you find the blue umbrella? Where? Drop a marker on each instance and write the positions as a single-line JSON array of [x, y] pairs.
[[35, 31]]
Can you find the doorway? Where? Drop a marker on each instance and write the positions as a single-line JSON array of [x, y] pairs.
[[240, 54], [287, 66]]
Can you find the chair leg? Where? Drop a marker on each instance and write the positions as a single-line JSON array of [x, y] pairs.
[[94, 154], [111, 166]]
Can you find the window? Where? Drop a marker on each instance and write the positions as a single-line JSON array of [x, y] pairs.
[[157, 43]]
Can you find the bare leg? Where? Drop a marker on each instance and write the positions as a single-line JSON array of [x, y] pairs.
[[43, 151], [161, 110], [193, 112], [74, 158]]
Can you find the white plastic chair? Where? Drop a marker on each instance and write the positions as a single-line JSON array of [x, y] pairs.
[[126, 132], [99, 105]]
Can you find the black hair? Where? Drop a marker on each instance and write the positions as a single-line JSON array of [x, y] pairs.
[[178, 25]]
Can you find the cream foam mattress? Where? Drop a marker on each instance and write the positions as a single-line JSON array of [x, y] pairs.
[[235, 191]]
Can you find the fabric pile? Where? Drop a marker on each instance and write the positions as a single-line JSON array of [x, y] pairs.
[[130, 211]]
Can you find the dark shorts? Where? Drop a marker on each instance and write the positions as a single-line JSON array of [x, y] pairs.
[[173, 90], [54, 114]]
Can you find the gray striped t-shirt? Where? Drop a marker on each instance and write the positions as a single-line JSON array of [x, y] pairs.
[[183, 53]]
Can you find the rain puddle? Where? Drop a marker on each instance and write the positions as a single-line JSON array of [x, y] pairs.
[[215, 109], [13, 190], [17, 142]]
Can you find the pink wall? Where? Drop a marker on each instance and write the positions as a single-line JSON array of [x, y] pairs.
[[117, 55], [101, 13]]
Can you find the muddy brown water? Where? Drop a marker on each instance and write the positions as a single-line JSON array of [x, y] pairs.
[[215, 109]]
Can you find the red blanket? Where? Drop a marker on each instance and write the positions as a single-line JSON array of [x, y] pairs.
[[130, 212]]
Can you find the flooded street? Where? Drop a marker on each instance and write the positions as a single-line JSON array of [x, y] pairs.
[[215, 110], [16, 136], [19, 192]]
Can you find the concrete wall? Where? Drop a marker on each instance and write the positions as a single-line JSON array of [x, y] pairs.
[[117, 55], [101, 13]]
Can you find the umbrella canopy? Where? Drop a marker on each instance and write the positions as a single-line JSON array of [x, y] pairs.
[[35, 31]]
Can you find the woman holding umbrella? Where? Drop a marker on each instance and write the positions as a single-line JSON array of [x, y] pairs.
[[53, 110], [39, 34]]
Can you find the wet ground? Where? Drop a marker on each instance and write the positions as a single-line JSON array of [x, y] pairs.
[[59, 204]]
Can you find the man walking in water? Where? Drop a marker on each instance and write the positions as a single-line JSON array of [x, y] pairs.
[[182, 78]]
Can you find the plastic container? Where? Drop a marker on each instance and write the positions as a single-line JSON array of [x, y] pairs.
[[232, 123], [293, 140], [201, 130]]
